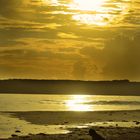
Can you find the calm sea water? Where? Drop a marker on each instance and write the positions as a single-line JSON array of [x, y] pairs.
[[39, 102], [34, 102]]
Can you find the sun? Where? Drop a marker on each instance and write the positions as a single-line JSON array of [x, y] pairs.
[[102, 13], [87, 5], [98, 12], [50, 2]]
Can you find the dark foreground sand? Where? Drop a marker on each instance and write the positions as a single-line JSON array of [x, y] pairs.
[[74, 117], [109, 132]]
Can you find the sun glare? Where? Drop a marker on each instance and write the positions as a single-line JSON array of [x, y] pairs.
[[93, 12], [87, 5], [78, 103], [51, 2], [98, 12]]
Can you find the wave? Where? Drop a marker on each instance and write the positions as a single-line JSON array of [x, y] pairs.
[[114, 103], [93, 102]]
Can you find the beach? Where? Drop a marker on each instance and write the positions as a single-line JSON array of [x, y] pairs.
[[31, 116], [69, 69], [112, 125], [82, 134]]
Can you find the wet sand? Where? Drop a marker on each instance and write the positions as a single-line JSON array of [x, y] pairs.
[[74, 117], [109, 133], [113, 124]]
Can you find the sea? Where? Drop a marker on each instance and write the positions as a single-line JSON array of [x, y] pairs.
[[58, 103], [48, 102]]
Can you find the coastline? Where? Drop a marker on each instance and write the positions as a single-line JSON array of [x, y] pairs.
[[112, 125], [78, 117], [108, 133]]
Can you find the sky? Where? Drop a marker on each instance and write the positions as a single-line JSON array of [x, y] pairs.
[[70, 39]]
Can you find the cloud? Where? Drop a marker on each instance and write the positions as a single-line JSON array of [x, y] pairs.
[[21, 63], [40, 69], [11, 43], [12, 8], [85, 69], [67, 35], [42, 37], [79, 70], [122, 58], [119, 59]]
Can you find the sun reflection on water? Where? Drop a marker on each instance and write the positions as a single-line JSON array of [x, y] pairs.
[[78, 103]]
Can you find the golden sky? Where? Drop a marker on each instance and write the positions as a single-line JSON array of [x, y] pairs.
[[70, 39]]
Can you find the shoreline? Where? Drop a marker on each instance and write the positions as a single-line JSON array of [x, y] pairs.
[[113, 125], [78, 117], [109, 133]]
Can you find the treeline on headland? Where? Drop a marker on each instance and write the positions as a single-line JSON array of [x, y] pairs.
[[115, 87]]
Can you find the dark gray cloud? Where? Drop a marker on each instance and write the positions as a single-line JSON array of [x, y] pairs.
[[35, 54], [7, 43], [119, 59], [79, 70], [123, 58], [12, 8]]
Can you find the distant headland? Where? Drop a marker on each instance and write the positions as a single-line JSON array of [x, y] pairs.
[[30, 86]]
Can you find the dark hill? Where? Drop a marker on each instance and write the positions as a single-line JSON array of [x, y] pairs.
[[115, 87]]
